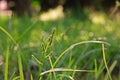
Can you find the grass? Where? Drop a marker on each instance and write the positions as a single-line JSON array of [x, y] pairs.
[[104, 59], [7, 57], [68, 49], [6, 65]]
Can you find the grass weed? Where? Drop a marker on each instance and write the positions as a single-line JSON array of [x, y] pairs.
[[68, 49]]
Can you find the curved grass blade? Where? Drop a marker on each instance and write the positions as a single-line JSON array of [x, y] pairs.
[[64, 69], [26, 31], [104, 59], [37, 60], [76, 44], [8, 34]]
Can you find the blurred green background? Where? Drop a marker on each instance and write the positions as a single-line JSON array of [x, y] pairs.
[[31, 23]]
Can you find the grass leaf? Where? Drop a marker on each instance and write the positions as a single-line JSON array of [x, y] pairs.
[[20, 67], [8, 34], [104, 59], [76, 44], [6, 64], [64, 69]]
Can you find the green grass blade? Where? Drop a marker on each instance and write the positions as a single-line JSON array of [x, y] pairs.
[[104, 59], [8, 34], [20, 67], [37, 60], [96, 71], [6, 64], [16, 78], [101, 67], [31, 77], [73, 74], [76, 44], [26, 31], [40, 78], [11, 77], [111, 69], [51, 64]]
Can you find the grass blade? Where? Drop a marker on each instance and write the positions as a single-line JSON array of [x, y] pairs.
[[64, 69], [20, 67], [16, 78], [6, 64], [73, 74], [37, 60], [104, 59], [8, 34], [76, 44], [111, 68], [26, 31], [52, 68], [96, 70], [67, 76], [12, 75], [31, 77]]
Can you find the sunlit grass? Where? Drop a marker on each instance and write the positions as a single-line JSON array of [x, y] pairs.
[[61, 49]]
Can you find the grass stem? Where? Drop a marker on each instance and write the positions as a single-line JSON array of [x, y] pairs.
[[6, 64], [104, 59]]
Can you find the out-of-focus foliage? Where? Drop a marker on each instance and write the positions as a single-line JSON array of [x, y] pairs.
[[22, 7]]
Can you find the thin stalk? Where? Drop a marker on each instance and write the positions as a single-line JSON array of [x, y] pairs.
[[52, 67], [73, 74], [20, 67], [8, 34], [37, 60], [96, 71], [12, 75], [110, 69], [64, 69], [104, 59], [6, 64]]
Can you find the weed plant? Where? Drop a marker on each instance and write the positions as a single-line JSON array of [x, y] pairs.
[[69, 49]]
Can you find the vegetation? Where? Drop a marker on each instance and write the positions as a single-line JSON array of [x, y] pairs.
[[81, 46]]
